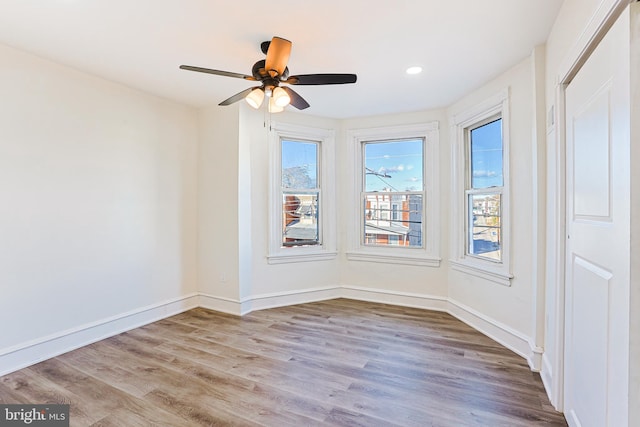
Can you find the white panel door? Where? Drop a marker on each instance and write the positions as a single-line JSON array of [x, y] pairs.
[[597, 264]]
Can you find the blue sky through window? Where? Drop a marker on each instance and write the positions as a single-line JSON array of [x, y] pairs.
[[394, 166], [299, 164], [486, 155]]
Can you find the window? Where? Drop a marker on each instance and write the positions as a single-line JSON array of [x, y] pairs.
[[480, 197], [300, 193], [395, 214], [484, 190], [393, 193], [302, 214]]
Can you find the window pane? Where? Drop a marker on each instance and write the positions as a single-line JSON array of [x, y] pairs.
[[300, 219], [393, 219], [484, 226], [393, 166], [299, 164], [486, 155]]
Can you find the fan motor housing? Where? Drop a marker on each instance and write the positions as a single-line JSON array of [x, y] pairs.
[[259, 71]]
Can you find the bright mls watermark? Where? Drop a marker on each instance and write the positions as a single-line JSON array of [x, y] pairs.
[[54, 415]]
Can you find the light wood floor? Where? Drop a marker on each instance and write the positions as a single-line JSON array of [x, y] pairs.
[[338, 362]]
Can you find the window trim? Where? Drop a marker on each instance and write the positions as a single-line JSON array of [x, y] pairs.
[[428, 255], [496, 271], [326, 249]]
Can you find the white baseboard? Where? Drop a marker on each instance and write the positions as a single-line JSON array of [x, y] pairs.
[[547, 377], [281, 299], [405, 299], [551, 383], [221, 304], [572, 419], [508, 337], [265, 301], [26, 354], [29, 353]]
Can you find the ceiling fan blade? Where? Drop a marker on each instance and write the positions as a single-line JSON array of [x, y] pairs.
[[237, 97], [278, 56], [296, 100], [321, 79], [217, 72]]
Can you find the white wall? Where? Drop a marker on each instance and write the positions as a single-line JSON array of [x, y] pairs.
[[407, 284], [575, 20], [218, 195], [243, 221], [512, 307], [234, 217], [269, 284], [98, 207]]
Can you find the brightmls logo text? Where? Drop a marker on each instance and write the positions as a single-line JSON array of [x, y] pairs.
[[28, 417], [34, 415]]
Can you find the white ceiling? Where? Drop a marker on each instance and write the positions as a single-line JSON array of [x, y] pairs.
[[460, 44]]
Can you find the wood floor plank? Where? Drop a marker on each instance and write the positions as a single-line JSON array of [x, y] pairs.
[[330, 363], [91, 361]]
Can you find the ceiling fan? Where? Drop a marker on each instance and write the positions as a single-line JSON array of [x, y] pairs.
[[271, 73]]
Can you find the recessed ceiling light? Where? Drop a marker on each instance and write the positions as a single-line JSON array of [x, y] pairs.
[[414, 70]]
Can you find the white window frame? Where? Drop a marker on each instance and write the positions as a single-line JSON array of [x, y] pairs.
[[326, 249], [428, 255], [493, 108]]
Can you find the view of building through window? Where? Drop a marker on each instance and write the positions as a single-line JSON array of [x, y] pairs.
[[300, 193], [393, 197], [484, 195]]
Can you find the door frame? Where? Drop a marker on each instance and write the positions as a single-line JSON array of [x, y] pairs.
[[603, 19]]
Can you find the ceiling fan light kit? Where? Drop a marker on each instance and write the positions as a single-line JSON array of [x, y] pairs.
[[280, 97], [273, 107], [255, 97], [272, 72]]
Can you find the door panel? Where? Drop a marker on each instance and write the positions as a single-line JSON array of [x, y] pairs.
[[591, 174], [591, 311]]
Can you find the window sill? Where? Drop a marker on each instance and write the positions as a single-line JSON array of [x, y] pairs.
[[386, 258], [483, 272], [283, 258]]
